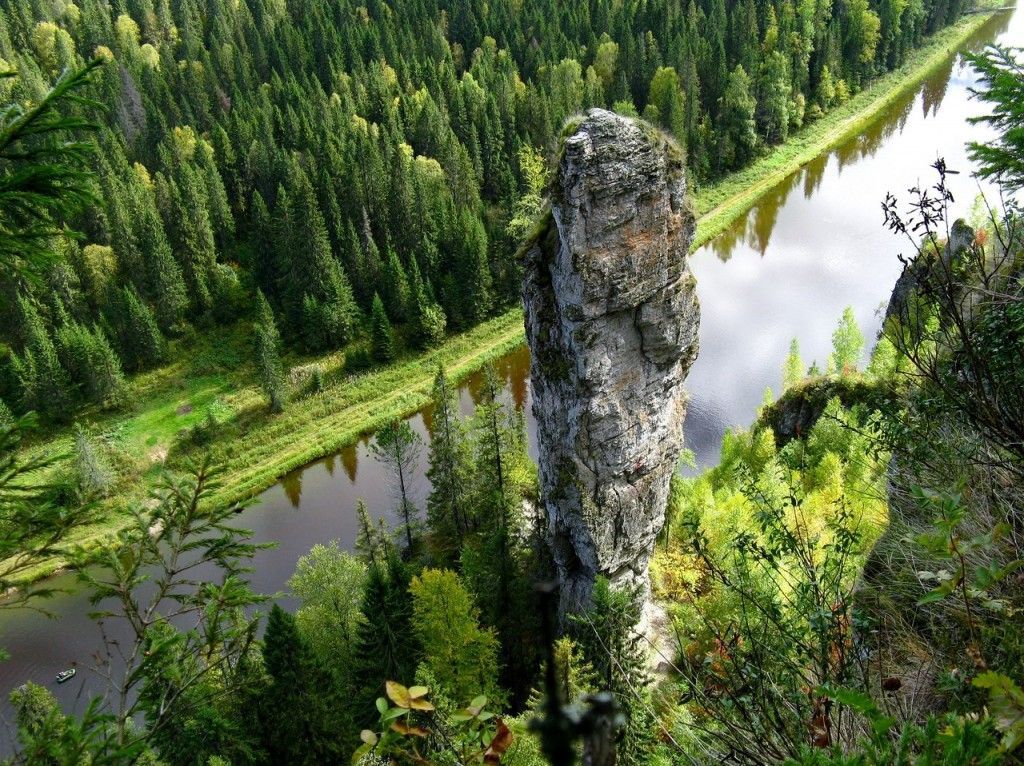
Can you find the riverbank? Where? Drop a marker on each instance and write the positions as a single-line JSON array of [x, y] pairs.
[[719, 205], [254, 447], [211, 374]]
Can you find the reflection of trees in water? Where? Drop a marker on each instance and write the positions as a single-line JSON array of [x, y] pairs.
[[934, 90], [756, 227], [867, 144], [762, 223], [329, 464], [292, 485], [514, 368], [814, 172], [512, 371], [350, 461], [722, 245]]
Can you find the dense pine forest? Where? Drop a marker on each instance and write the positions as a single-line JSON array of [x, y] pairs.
[[371, 166]]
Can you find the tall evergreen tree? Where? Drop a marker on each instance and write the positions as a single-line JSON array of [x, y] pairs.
[[294, 725], [398, 447], [44, 381], [318, 293], [268, 354], [382, 337], [142, 345], [385, 647], [738, 137], [449, 470]]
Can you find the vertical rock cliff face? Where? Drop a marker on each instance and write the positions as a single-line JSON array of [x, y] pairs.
[[612, 320]]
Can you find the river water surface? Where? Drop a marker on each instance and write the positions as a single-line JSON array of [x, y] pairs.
[[811, 247]]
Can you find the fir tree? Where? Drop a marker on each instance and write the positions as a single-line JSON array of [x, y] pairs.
[[382, 337], [93, 478], [386, 647], [449, 470], [268, 354], [142, 345], [44, 381], [398, 447]]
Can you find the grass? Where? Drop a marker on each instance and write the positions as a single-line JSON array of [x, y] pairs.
[[212, 373]]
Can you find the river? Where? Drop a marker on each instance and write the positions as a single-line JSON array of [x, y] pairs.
[[811, 247]]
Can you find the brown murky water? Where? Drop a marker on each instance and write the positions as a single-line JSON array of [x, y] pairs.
[[787, 269]]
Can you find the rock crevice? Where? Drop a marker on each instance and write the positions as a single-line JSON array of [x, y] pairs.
[[612, 320]]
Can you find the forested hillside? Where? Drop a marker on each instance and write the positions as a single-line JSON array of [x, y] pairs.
[[365, 166]]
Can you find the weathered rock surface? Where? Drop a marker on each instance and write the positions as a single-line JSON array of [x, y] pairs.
[[612, 320]]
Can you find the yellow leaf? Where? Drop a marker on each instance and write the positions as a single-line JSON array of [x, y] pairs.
[[398, 694]]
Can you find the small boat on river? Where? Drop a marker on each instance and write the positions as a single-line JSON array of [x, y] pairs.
[[66, 675]]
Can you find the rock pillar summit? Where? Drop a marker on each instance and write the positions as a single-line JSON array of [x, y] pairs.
[[611, 319]]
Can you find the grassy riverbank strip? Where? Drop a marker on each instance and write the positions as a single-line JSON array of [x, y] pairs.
[[255, 447], [211, 375], [720, 204]]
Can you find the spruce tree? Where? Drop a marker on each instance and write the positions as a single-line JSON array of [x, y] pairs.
[[449, 471], [395, 287], [370, 544], [93, 477], [294, 725], [398, 447], [195, 240], [268, 354], [385, 646], [318, 292], [142, 344], [382, 337], [45, 383], [263, 259], [165, 284]]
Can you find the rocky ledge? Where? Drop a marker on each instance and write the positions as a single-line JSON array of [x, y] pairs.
[[612, 320]]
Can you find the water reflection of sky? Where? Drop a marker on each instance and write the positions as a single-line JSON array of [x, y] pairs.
[[811, 248]]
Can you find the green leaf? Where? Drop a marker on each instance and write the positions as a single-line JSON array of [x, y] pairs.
[[932, 596], [368, 737], [382, 705], [1006, 707]]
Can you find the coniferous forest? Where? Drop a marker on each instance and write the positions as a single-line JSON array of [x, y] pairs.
[[371, 166]]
